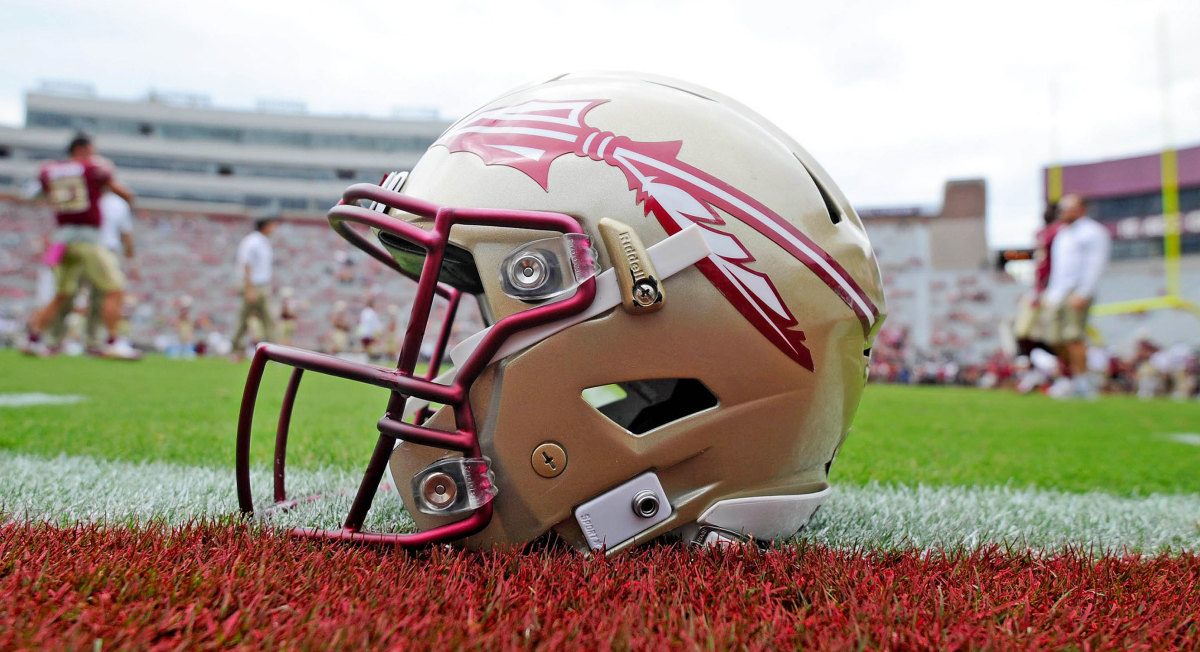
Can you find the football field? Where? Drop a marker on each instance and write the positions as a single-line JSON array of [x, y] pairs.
[[990, 515]]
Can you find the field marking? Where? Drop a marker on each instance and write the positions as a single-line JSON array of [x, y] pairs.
[[37, 398], [1185, 438], [73, 489], [949, 517], [78, 489]]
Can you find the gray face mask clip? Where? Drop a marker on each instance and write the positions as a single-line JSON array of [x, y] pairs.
[[548, 268], [454, 485]]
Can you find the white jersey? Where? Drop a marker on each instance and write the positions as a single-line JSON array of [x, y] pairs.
[[115, 219], [254, 250], [369, 323], [1077, 258]]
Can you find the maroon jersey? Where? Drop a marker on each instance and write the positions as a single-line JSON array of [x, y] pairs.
[[1044, 237], [75, 187]]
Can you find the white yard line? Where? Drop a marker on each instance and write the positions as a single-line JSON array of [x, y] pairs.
[[83, 489], [947, 517], [37, 398], [1190, 438], [73, 489]]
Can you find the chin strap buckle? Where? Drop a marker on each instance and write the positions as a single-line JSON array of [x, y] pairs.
[[711, 536]]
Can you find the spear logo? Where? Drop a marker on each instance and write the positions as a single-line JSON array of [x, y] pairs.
[[531, 135]]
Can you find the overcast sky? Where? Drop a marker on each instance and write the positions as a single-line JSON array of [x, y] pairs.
[[893, 98]]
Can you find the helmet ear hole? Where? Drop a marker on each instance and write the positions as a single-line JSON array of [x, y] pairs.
[[643, 405]]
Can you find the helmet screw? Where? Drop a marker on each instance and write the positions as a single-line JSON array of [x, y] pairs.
[[644, 293], [439, 490], [549, 460], [645, 503], [528, 271]]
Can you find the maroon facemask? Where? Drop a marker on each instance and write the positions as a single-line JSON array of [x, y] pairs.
[[451, 486]]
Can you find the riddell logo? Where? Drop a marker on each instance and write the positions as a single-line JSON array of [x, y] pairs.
[[589, 530], [635, 263]]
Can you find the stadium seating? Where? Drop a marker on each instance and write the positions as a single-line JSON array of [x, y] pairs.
[[191, 254], [935, 317]]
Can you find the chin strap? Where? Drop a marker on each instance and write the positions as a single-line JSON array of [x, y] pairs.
[[709, 536]]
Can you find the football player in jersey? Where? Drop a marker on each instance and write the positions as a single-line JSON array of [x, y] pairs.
[[74, 186], [116, 234]]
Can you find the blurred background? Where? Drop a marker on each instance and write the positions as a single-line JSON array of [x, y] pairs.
[[949, 125]]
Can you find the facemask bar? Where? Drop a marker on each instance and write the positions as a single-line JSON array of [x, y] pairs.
[[401, 380]]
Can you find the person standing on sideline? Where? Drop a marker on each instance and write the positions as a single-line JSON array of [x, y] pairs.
[[339, 335], [254, 257], [369, 327], [289, 311], [1078, 256], [1029, 307], [74, 187]]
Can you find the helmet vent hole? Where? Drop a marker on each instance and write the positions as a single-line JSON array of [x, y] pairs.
[[831, 207], [640, 406]]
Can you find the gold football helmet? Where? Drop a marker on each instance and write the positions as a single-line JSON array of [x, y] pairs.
[[680, 306]]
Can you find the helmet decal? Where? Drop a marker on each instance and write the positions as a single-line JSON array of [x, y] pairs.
[[530, 136]]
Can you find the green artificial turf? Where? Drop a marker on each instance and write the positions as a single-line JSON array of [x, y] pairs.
[[186, 412], [182, 411], [962, 436]]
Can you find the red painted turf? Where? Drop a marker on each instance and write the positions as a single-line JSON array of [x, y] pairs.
[[221, 586]]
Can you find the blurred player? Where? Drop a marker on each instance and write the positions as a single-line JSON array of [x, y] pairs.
[[289, 309], [254, 258], [116, 234], [339, 336], [392, 334], [1029, 307], [74, 187], [1078, 256], [185, 327], [1171, 369], [370, 326]]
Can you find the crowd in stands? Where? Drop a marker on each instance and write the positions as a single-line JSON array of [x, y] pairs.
[[187, 301], [1145, 369]]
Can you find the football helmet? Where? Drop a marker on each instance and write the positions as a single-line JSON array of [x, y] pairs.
[[679, 308]]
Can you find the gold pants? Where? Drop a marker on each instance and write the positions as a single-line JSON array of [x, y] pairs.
[[261, 308], [91, 262]]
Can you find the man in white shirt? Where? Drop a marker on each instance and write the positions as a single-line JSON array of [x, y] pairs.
[[116, 234], [1078, 256], [254, 257]]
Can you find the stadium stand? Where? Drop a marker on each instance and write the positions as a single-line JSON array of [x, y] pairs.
[[192, 254], [957, 315]]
